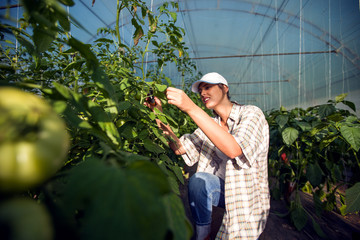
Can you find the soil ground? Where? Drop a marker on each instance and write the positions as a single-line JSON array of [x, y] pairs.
[[334, 225]]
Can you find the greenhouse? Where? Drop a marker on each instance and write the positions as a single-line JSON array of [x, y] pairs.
[[87, 152]]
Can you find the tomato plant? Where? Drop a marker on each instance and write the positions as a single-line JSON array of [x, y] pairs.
[[120, 172], [312, 150]]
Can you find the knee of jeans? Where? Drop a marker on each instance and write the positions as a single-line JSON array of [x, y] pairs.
[[198, 185]]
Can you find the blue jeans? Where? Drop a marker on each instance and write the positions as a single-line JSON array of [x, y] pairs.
[[205, 190]]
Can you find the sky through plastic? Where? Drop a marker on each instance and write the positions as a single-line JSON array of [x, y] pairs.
[[272, 52]]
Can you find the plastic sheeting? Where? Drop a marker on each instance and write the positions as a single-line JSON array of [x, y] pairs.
[[272, 52]]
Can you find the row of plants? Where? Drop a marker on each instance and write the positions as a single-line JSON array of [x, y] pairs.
[[119, 179], [316, 151]]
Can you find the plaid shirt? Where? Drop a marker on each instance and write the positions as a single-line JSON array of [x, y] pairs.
[[247, 198]]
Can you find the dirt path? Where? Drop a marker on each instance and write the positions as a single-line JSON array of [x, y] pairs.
[[334, 225]]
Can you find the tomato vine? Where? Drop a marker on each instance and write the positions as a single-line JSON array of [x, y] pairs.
[[313, 151], [120, 173]]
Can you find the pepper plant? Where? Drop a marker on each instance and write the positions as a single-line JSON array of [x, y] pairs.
[[314, 150], [120, 179]]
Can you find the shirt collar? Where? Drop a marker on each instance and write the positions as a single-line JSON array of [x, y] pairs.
[[234, 113]]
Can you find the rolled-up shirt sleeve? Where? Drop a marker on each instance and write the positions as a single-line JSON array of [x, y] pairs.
[[192, 145], [249, 134]]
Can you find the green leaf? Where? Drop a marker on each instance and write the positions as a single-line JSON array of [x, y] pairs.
[[178, 173], [353, 198], [283, 109], [160, 87], [165, 158], [299, 217], [336, 173], [317, 128], [318, 229], [318, 204], [103, 120], [59, 106], [27, 44], [43, 38], [153, 147], [351, 119], [172, 122], [340, 97], [104, 40], [173, 15], [69, 3], [101, 80], [326, 110], [63, 90], [159, 135], [85, 51], [132, 157], [336, 117], [155, 43], [314, 174], [143, 11], [125, 201], [63, 19], [173, 183], [281, 120], [305, 126], [343, 210], [162, 117], [177, 221], [124, 105], [6, 67], [128, 130], [351, 135], [63, 108], [289, 135], [350, 105], [326, 141]]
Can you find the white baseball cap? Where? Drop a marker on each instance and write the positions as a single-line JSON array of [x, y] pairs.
[[211, 78]]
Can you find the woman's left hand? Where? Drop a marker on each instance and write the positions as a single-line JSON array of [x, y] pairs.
[[179, 98]]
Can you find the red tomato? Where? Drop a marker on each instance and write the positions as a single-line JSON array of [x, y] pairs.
[[284, 158]]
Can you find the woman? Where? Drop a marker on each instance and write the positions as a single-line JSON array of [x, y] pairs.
[[231, 151]]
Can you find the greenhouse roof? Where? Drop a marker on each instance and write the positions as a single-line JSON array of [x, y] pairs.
[[272, 52]]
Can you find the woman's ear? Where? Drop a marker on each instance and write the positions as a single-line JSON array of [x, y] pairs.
[[226, 88]]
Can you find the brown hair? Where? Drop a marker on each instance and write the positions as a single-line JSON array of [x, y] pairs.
[[222, 87]]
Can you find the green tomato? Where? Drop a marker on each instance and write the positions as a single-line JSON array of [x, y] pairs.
[[33, 140], [25, 218], [138, 95], [120, 122]]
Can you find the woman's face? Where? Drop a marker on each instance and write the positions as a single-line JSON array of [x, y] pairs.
[[212, 95]]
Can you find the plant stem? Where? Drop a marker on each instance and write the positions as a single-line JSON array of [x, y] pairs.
[[119, 8], [357, 159], [143, 57]]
